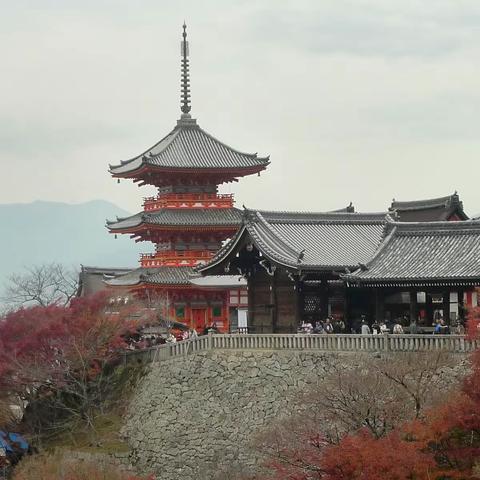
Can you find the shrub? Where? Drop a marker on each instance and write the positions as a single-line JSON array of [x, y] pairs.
[[60, 467]]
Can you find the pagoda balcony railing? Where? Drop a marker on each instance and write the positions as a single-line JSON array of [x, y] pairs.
[[188, 200], [175, 258], [301, 342]]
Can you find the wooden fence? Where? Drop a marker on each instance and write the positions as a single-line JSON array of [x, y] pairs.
[[323, 343]]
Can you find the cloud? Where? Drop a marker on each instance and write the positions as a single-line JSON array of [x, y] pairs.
[[348, 96], [438, 118], [41, 138], [371, 28]]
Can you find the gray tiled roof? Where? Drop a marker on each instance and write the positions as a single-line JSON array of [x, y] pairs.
[[181, 217], [157, 276], [429, 210], [311, 240], [188, 146], [427, 203], [426, 252]]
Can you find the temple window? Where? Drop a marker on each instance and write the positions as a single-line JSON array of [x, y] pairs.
[[454, 305]]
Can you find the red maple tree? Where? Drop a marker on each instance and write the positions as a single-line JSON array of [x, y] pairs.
[[59, 352]]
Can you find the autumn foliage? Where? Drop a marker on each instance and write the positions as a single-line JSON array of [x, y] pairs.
[[444, 444], [60, 353]]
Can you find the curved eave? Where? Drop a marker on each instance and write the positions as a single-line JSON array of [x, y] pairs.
[[145, 168], [169, 228], [142, 284], [183, 286], [406, 281]]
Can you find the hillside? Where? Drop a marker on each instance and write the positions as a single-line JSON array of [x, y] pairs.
[[42, 232]]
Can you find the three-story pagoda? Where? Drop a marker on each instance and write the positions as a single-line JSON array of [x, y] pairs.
[[188, 219]]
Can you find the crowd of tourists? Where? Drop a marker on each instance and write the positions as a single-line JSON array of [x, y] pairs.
[[361, 326], [329, 325]]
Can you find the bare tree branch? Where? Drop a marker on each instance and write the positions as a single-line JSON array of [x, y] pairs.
[[42, 285]]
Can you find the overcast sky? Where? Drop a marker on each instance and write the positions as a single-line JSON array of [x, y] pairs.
[[360, 100]]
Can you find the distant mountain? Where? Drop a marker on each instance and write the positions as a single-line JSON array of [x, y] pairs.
[[44, 232]]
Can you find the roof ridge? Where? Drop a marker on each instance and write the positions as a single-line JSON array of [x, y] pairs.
[[322, 212], [448, 225], [276, 234], [323, 217], [173, 135], [125, 162], [215, 139]]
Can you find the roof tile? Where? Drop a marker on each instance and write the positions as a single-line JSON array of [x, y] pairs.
[[430, 251], [188, 146]]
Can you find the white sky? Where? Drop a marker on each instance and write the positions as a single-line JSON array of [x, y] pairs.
[[359, 100]]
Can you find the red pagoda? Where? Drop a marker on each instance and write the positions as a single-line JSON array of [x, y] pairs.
[[188, 219]]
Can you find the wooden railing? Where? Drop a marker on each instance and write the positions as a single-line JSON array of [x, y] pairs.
[[174, 258], [321, 343], [188, 200]]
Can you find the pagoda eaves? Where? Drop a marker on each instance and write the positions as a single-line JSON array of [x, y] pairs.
[[166, 276], [188, 150], [179, 218]]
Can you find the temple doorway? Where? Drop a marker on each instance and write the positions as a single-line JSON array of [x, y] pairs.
[[199, 318]]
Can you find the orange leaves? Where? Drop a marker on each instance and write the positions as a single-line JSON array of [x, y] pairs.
[[442, 444], [362, 457]]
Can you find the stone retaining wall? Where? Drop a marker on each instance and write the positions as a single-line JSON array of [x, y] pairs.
[[194, 416]]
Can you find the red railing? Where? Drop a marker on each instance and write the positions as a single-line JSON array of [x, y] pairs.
[[188, 200], [174, 258]]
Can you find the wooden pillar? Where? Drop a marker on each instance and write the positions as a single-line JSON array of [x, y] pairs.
[[251, 307], [429, 308], [413, 306], [346, 306], [461, 305], [446, 306], [298, 303], [273, 302], [324, 299], [379, 305]]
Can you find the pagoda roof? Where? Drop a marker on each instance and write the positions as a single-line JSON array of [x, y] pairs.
[[156, 276], [190, 148], [429, 210], [307, 240], [181, 217], [425, 252]]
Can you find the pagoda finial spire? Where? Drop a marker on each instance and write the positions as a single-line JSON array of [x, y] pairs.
[[185, 90]]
